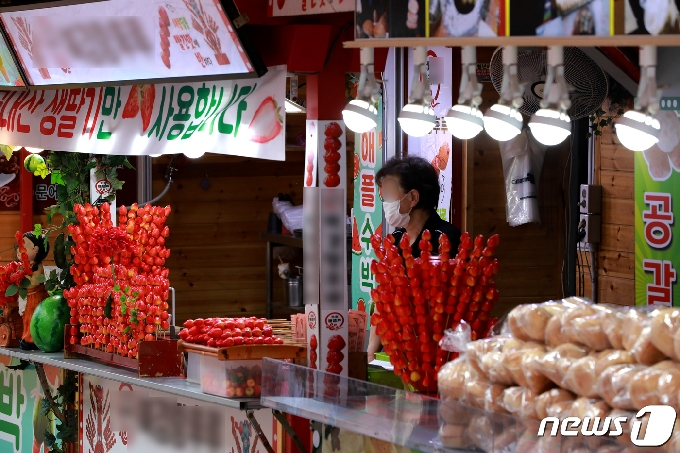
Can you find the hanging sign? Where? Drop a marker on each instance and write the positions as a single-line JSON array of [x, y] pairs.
[[237, 117], [657, 182], [303, 7], [125, 40], [368, 214]]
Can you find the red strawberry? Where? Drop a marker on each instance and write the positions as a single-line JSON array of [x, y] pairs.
[[267, 122], [333, 130], [163, 15], [148, 97], [131, 109]]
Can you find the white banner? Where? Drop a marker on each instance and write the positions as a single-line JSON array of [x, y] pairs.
[[237, 117], [303, 7]]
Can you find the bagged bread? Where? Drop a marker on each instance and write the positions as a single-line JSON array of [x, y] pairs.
[[554, 364], [451, 378], [491, 436], [588, 407], [614, 385], [493, 366], [584, 324], [454, 412], [512, 360], [484, 395], [477, 349], [520, 401], [633, 323], [553, 332], [455, 436], [612, 325], [669, 387], [643, 349], [580, 378], [545, 400], [534, 379], [665, 325], [528, 322], [626, 425], [644, 385], [610, 358]]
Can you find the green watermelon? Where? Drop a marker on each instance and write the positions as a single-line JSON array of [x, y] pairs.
[[47, 323]]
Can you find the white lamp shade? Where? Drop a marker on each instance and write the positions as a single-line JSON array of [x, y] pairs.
[[550, 127], [637, 131], [502, 123], [194, 154], [464, 122], [360, 116], [417, 120]]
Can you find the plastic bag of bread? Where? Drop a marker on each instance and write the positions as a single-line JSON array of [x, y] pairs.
[[580, 378], [528, 322], [493, 366], [554, 364], [477, 349], [613, 327], [644, 385], [669, 387], [453, 412], [455, 436], [610, 358], [587, 407], [484, 395], [512, 360], [584, 324], [520, 401], [634, 320], [665, 325], [492, 436], [553, 332], [545, 400], [643, 349], [534, 379], [625, 420], [614, 385], [451, 378]]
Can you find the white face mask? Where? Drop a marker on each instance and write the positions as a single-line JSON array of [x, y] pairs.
[[392, 214]]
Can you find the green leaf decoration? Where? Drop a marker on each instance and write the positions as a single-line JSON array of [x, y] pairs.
[[23, 293], [37, 230], [41, 278], [12, 290]]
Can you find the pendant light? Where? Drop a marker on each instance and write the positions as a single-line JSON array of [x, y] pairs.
[[551, 125], [417, 117], [464, 120], [360, 114], [638, 130], [502, 121]]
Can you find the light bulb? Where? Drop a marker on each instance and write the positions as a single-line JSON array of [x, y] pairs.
[[34, 150], [417, 120], [637, 131], [360, 116], [194, 154], [464, 122], [550, 127], [155, 155], [502, 123]]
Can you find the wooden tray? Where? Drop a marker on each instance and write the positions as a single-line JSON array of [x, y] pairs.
[[246, 352], [156, 358]]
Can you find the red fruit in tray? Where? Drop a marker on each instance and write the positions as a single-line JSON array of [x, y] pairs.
[[268, 340], [332, 144], [258, 340], [267, 122], [238, 341], [332, 181], [257, 332], [493, 241], [228, 342], [333, 130], [278, 340], [267, 331]]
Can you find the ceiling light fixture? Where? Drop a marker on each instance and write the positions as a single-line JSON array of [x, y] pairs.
[[502, 121], [360, 114], [550, 124], [417, 117], [464, 120], [638, 130]]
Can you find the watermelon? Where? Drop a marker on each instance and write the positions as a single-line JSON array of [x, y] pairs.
[[47, 323], [356, 243]]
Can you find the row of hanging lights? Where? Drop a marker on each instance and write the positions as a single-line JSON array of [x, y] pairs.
[[637, 129]]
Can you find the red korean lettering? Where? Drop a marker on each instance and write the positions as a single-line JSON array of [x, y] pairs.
[[304, 5], [178, 39], [660, 292], [76, 100], [368, 190], [199, 58], [368, 148], [58, 102], [48, 125], [14, 111], [658, 219], [5, 102], [67, 124]]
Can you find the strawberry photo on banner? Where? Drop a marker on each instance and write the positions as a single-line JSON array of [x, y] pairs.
[[332, 154]]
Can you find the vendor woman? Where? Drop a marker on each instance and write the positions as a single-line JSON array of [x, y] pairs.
[[410, 192]]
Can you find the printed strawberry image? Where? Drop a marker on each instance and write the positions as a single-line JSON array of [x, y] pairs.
[[164, 24], [142, 98], [332, 157], [280, 3], [267, 122], [356, 165]]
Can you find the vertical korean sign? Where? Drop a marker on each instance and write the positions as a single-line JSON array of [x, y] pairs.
[[657, 190], [367, 214]]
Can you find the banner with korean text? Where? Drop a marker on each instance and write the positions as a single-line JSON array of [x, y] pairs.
[[238, 117], [368, 214], [657, 190]]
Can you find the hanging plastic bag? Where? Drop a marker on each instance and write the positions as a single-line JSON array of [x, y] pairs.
[[522, 163]]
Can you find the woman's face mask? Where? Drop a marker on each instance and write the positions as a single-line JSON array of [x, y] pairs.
[[392, 214]]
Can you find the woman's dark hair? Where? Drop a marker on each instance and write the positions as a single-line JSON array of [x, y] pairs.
[[43, 248], [414, 173]]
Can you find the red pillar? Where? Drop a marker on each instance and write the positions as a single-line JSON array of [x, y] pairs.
[[25, 194], [326, 91]]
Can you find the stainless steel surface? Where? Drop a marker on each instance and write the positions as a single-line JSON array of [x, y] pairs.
[[292, 290]]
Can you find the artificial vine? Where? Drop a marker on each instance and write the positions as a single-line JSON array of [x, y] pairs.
[[618, 98], [58, 405]]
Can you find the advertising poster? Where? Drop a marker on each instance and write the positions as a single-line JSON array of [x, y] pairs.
[[122, 418], [22, 426], [368, 215], [9, 182], [658, 17], [238, 117], [436, 149], [304, 7], [657, 182]]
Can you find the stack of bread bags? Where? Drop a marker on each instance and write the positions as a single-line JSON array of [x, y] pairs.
[[567, 358]]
